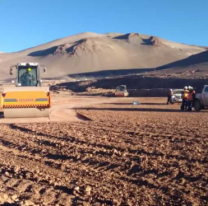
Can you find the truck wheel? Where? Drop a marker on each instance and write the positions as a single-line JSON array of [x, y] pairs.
[[197, 105]]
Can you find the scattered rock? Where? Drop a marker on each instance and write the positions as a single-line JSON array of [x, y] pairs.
[[15, 197], [88, 190]]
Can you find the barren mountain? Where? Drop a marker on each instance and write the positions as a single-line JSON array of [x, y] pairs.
[[91, 52], [193, 67], [192, 70]]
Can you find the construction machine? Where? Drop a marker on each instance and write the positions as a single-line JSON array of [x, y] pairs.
[[121, 91], [28, 98]]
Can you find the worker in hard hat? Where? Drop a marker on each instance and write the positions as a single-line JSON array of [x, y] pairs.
[[190, 88], [27, 78], [185, 95], [191, 97], [170, 95]]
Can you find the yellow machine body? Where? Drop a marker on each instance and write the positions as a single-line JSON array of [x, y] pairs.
[[26, 101], [121, 94], [19, 102]]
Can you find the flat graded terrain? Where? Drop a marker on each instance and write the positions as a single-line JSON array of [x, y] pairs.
[[113, 153]]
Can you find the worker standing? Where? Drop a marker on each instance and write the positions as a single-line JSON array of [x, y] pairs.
[[170, 95], [185, 95], [191, 96]]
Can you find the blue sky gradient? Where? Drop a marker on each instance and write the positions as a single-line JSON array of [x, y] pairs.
[[28, 23]]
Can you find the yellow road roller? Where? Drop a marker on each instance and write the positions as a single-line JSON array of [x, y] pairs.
[[28, 98], [121, 91]]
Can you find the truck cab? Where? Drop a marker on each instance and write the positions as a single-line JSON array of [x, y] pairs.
[[201, 99]]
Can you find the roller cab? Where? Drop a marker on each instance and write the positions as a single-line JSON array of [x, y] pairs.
[[28, 98]]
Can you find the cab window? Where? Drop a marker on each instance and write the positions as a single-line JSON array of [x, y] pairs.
[[206, 90], [27, 77]]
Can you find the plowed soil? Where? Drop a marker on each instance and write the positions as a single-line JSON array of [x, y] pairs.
[[116, 154]]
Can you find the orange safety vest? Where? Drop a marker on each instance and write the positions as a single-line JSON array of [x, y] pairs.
[[190, 96], [185, 94]]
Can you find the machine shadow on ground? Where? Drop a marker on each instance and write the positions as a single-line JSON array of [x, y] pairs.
[[138, 101], [132, 109]]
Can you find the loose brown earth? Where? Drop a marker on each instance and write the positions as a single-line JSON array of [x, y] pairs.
[[119, 154]]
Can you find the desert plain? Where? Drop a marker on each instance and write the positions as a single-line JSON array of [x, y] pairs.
[[106, 151], [100, 150]]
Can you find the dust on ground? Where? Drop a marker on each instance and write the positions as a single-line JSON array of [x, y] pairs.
[[62, 108], [121, 154]]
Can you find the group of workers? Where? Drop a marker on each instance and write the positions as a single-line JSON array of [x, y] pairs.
[[188, 96]]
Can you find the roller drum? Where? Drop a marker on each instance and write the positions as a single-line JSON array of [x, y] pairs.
[[26, 112]]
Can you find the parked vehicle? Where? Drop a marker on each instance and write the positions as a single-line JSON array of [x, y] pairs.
[[201, 98], [177, 96]]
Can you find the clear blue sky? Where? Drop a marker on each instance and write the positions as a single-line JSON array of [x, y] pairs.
[[27, 23]]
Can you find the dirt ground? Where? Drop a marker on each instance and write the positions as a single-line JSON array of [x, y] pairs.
[[62, 109], [108, 152]]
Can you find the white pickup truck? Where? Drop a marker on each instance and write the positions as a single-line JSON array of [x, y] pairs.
[[201, 99]]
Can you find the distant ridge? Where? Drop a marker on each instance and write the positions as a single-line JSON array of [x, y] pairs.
[[91, 53]]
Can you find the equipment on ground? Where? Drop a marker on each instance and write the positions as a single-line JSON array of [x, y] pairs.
[[121, 91], [28, 98], [136, 103]]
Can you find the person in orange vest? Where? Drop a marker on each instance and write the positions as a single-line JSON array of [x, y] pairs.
[[191, 98], [170, 94], [185, 98]]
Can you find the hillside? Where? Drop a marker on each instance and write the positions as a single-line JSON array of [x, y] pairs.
[[193, 67], [91, 53], [190, 71]]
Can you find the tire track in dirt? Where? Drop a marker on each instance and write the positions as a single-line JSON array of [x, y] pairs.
[[79, 171], [123, 158], [63, 109]]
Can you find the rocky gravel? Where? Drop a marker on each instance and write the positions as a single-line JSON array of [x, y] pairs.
[[121, 154]]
